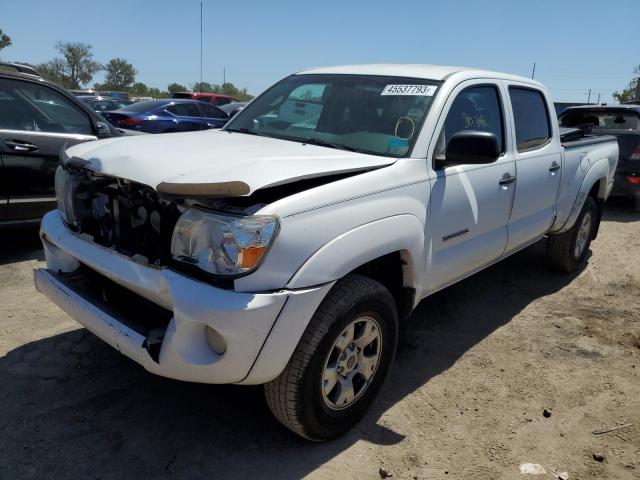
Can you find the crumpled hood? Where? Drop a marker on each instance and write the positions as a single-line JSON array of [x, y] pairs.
[[216, 162]]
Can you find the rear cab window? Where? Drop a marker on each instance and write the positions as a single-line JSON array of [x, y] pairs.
[[531, 118], [600, 119]]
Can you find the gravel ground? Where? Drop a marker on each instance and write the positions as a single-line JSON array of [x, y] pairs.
[[478, 365]]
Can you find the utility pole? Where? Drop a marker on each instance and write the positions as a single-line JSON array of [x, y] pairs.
[[598, 99], [200, 47], [589, 96], [533, 73], [224, 75]]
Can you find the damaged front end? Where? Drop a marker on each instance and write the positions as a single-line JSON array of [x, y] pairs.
[[214, 239]]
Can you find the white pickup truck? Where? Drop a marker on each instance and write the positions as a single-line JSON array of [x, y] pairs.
[[284, 249]]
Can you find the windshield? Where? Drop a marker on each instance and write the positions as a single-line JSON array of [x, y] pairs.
[[369, 114], [600, 119]]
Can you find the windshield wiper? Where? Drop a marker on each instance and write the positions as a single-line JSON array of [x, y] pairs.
[[242, 130], [322, 143]]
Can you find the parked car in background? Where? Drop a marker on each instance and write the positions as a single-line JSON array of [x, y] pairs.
[[114, 94], [37, 119], [84, 92], [562, 106], [622, 121], [104, 104], [18, 68], [285, 248], [233, 108], [167, 116], [217, 99]]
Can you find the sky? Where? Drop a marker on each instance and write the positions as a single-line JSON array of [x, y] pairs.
[[576, 45]]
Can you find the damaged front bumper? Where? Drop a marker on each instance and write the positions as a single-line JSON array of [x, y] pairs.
[[175, 316]]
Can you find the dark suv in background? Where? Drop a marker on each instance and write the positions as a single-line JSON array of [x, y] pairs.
[[622, 121], [37, 118]]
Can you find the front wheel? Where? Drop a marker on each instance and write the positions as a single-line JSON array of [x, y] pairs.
[[340, 363], [567, 251]]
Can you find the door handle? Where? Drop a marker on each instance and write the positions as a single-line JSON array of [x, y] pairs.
[[507, 178], [555, 166], [20, 146]]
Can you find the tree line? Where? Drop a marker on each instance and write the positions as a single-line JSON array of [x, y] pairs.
[[75, 68], [632, 92]]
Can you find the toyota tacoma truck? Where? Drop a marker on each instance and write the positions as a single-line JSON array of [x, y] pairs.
[[285, 248]]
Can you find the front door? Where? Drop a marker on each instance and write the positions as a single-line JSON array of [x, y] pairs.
[[469, 204], [35, 123]]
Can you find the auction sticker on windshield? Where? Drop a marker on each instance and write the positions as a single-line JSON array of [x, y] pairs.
[[421, 90]]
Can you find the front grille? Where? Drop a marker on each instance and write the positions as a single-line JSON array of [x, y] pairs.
[[127, 217]]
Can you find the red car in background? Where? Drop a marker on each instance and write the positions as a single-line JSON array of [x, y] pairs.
[[217, 99]]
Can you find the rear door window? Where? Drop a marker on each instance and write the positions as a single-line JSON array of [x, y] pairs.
[[531, 117], [210, 111], [184, 110]]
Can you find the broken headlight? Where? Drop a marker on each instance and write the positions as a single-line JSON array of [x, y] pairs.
[[222, 244], [65, 185]]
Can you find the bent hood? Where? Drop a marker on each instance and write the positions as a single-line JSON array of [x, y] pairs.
[[216, 163]]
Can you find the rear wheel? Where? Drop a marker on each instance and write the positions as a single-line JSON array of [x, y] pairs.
[[567, 251], [340, 363]]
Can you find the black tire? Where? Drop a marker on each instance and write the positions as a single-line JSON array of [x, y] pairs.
[[296, 397], [561, 248]]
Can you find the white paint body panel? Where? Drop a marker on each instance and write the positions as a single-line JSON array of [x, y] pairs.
[[327, 231]]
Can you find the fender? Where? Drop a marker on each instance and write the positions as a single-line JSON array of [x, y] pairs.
[[367, 242], [598, 171]]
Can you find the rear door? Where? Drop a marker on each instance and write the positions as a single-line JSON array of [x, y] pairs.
[[36, 121], [538, 165], [188, 117]]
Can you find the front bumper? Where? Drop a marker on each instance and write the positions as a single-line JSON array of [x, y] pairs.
[[260, 330]]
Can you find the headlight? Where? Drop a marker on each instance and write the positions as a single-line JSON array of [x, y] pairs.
[[65, 188], [222, 244]]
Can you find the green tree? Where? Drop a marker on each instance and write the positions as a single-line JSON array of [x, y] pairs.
[[53, 70], [176, 87], [75, 68], [203, 87], [119, 75], [230, 89], [157, 93], [5, 40], [632, 92], [139, 89]]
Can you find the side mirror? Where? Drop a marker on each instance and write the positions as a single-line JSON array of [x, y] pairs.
[[469, 147], [103, 129]]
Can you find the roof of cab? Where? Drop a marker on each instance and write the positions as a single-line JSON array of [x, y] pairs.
[[430, 72]]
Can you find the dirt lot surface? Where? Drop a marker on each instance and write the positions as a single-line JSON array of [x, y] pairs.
[[477, 366]]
